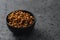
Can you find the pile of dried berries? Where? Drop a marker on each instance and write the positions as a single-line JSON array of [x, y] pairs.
[[20, 19]]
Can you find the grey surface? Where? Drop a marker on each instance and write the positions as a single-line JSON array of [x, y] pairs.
[[47, 13]]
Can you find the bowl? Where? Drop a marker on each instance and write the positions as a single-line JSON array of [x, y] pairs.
[[21, 31]]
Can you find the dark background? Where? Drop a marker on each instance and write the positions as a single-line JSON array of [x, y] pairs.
[[47, 13]]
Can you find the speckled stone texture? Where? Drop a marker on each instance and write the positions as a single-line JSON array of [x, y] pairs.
[[47, 13]]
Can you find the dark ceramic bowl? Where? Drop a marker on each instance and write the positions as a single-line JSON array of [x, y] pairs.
[[21, 31]]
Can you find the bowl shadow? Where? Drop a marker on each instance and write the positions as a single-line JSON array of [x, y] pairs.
[[35, 34]]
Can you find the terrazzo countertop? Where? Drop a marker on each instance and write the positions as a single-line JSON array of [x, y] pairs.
[[47, 13]]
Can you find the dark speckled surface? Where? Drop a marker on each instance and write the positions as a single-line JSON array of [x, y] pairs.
[[47, 13]]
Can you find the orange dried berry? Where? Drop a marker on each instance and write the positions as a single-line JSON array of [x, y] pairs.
[[14, 23], [18, 17], [15, 26], [9, 17], [11, 14], [21, 13], [17, 13], [24, 26], [27, 15], [31, 16], [15, 19], [9, 22], [30, 22], [22, 19]]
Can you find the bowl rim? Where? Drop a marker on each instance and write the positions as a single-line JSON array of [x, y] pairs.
[[22, 11]]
